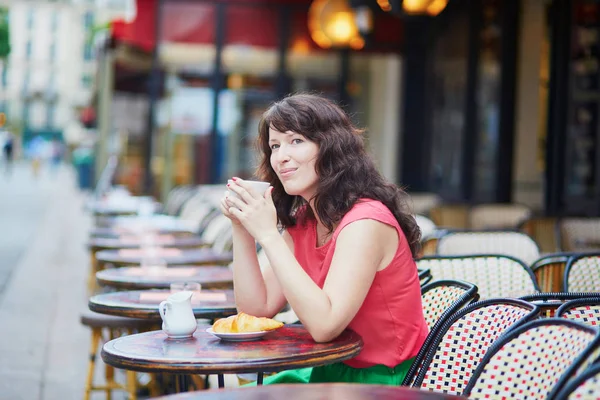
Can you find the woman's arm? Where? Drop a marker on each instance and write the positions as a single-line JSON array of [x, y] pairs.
[[256, 289], [256, 293], [362, 248]]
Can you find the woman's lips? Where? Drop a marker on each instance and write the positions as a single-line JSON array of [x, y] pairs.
[[285, 173]]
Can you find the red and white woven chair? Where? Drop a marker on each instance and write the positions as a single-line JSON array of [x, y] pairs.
[[585, 386], [459, 345], [440, 300], [529, 362], [582, 273], [510, 243], [494, 275]]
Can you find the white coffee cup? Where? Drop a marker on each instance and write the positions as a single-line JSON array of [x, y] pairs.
[[258, 186]]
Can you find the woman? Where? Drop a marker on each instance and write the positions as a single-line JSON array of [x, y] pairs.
[[345, 258]]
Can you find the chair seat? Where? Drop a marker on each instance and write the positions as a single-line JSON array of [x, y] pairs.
[[97, 320]]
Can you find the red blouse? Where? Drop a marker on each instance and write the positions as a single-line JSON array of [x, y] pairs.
[[390, 320]]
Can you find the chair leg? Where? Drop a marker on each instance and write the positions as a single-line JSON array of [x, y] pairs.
[[96, 334], [92, 273], [132, 385]]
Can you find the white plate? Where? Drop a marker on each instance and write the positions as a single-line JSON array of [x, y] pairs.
[[238, 337]]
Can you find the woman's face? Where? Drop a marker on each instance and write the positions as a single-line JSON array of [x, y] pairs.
[[293, 159]]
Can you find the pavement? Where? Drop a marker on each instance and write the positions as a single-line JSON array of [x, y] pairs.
[[43, 268]]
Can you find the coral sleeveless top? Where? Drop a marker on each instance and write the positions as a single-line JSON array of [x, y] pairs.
[[390, 320]]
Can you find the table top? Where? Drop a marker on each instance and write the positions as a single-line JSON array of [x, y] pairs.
[[144, 303], [154, 221], [330, 391], [139, 278], [171, 256], [289, 347], [118, 231], [134, 241]]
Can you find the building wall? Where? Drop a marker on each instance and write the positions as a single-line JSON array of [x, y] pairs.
[[52, 63], [528, 175]]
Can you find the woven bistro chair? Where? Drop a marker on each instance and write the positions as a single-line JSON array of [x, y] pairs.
[[424, 276], [426, 225], [584, 310], [549, 270], [440, 300], [104, 328], [549, 303], [497, 216], [579, 234], [495, 275], [529, 361], [543, 231], [510, 243], [584, 386], [582, 273], [452, 356]]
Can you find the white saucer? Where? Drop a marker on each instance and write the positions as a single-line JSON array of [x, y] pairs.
[[238, 337]]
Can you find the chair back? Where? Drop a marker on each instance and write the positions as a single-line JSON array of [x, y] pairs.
[[426, 225], [510, 243], [579, 234], [494, 275], [421, 203], [586, 310], [439, 300], [549, 271], [529, 362], [585, 386], [498, 216], [549, 303], [582, 273], [445, 297], [462, 341], [543, 231], [453, 216]]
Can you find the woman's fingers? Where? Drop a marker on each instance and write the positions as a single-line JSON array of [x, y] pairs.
[[233, 201], [245, 191]]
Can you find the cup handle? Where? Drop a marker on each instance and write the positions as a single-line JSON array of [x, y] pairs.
[[162, 309]]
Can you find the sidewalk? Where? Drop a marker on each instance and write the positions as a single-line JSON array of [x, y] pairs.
[[43, 347]]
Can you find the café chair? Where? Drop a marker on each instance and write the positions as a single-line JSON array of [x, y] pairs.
[[495, 275], [549, 303], [426, 225], [509, 243], [451, 357], [584, 310], [549, 270], [529, 361], [584, 386], [104, 328], [439, 300], [543, 230], [582, 273], [579, 234], [497, 216], [450, 216]]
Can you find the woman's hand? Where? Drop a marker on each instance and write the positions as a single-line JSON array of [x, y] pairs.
[[224, 205], [254, 211]]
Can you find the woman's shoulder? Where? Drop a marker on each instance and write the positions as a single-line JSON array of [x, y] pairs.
[[367, 207]]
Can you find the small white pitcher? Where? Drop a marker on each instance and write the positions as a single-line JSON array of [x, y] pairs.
[[177, 315]]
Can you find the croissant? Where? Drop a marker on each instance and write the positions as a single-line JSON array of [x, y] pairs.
[[243, 323]]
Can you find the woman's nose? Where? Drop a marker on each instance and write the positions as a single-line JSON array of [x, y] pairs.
[[282, 154]]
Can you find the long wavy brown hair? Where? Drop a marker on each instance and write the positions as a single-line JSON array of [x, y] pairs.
[[346, 171]]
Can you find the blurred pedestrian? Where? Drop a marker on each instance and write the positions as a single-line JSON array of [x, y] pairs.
[[8, 149]]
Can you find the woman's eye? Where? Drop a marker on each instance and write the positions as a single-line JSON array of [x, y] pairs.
[[274, 146], [297, 141]]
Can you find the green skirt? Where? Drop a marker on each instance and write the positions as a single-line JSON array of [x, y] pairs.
[[340, 372]]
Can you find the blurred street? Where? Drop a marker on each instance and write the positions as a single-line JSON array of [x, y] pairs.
[[43, 267]]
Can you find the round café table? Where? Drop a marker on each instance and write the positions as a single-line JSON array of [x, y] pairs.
[[118, 231], [289, 347], [154, 221], [329, 391], [139, 278], [171, 256], [134, 241], [208, 304]]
